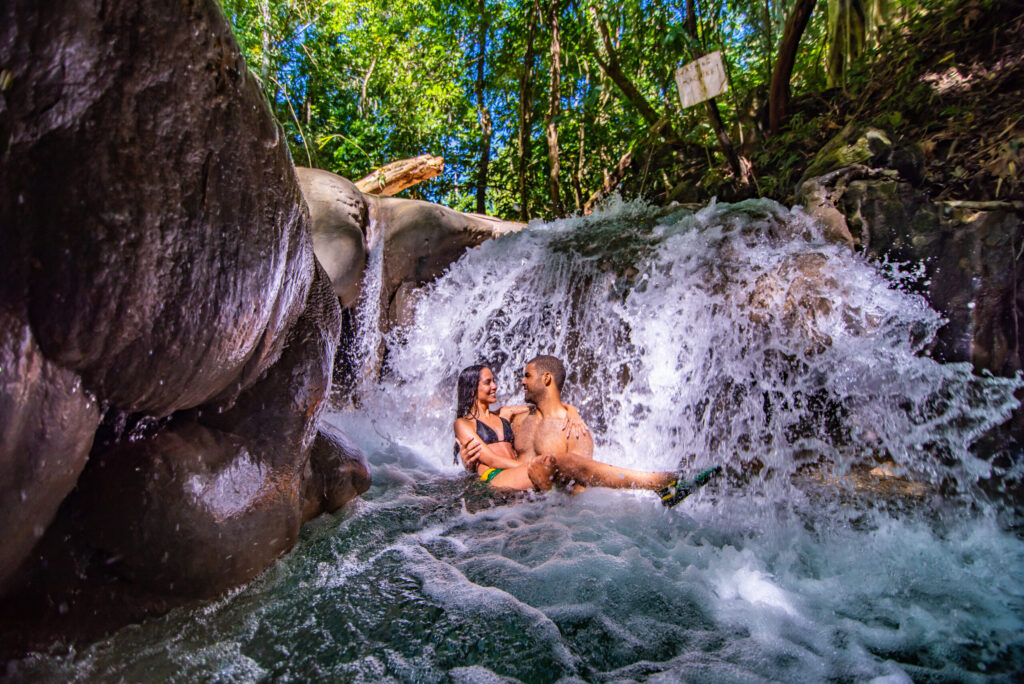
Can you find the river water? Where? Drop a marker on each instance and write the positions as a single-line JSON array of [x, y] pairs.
[[855, 535]]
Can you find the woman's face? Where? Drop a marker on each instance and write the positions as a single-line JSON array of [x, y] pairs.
[[487, 388]]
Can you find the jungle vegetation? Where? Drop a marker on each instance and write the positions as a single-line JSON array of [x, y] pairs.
[[542, 107]]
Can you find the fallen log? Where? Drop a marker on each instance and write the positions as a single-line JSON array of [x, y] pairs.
[[397, 176]]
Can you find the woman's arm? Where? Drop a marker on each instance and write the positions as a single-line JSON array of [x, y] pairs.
[[574, 425], [467, 438]]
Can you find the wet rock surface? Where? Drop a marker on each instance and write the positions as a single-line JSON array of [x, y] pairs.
[[338, 472], [46, 428], [190, 511], [278, 416], [969, 252], [156, 267], [124, 181]]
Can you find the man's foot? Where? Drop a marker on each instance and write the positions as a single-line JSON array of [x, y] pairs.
[[680, 489]]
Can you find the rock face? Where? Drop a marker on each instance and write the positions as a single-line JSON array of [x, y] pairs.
[[155, 258], [47, 423], [340, 220], [420, 239], [970, 251]]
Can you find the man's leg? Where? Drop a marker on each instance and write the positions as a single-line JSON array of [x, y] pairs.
[[569, 468]]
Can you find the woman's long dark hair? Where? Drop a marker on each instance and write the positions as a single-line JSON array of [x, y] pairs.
[[469, 379]]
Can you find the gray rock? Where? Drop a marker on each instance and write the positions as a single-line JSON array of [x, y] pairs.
[[340, 220], [420, 239]]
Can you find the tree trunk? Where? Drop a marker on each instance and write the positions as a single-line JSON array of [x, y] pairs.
[[577, 174], [525, 110], [610, 66], [483, 112], [264, 42], [778, 98], [554, 109], [740, 169], [397, 176], [614, 177]]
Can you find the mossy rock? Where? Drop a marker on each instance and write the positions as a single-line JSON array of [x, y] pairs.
[[853, 145]]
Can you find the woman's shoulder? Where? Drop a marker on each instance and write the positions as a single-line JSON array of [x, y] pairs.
[[469, 423]]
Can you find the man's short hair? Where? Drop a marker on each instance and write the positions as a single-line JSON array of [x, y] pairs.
[[550, 364]]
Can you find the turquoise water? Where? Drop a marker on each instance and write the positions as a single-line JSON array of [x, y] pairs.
[[732, 336]]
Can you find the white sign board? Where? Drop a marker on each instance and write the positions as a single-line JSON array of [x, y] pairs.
[[701, 79]]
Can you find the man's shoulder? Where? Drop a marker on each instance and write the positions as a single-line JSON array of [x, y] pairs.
[[524, 417]]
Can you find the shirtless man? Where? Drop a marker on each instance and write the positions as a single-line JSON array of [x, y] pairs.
[[549, 456]]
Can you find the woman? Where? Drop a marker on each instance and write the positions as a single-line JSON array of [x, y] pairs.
[[496, 462]]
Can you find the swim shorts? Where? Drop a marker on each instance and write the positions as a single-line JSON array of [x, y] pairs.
[[490, 474]]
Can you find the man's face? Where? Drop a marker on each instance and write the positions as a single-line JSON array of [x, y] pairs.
[[533, 383]]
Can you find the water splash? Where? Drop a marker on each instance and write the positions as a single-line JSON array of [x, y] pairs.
[[731, 334]]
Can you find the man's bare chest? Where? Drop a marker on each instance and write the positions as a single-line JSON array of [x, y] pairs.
[[535, 435]]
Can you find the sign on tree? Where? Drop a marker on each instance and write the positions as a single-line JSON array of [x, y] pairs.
[[701, 79]]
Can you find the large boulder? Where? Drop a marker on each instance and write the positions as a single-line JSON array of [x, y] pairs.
[[150, 208], [155, 259], [190, 511], [419, 240], [339, 218], [47, 423], [338, 472]]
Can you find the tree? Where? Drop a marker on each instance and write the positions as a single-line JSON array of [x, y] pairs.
[[554, 109], [483, 112], [778, 100]]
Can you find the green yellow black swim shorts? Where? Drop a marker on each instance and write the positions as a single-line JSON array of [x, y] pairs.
[[490, 474]]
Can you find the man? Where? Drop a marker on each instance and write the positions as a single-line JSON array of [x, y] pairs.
[[551, 457]]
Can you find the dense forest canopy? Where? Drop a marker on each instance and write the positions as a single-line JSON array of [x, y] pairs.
[[539, 106]]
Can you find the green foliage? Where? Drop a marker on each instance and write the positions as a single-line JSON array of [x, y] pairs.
[[359, 83]]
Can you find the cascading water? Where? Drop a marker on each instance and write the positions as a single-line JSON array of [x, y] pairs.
[[848, 541]]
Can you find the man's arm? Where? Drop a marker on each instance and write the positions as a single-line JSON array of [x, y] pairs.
[[581, 444]]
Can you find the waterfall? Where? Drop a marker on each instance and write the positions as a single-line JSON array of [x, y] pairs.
[[850, 539], [733, 335]]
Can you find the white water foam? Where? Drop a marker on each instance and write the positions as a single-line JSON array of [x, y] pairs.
[[732, 335]]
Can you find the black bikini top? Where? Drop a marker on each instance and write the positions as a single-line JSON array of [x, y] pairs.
[[488, 436]]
